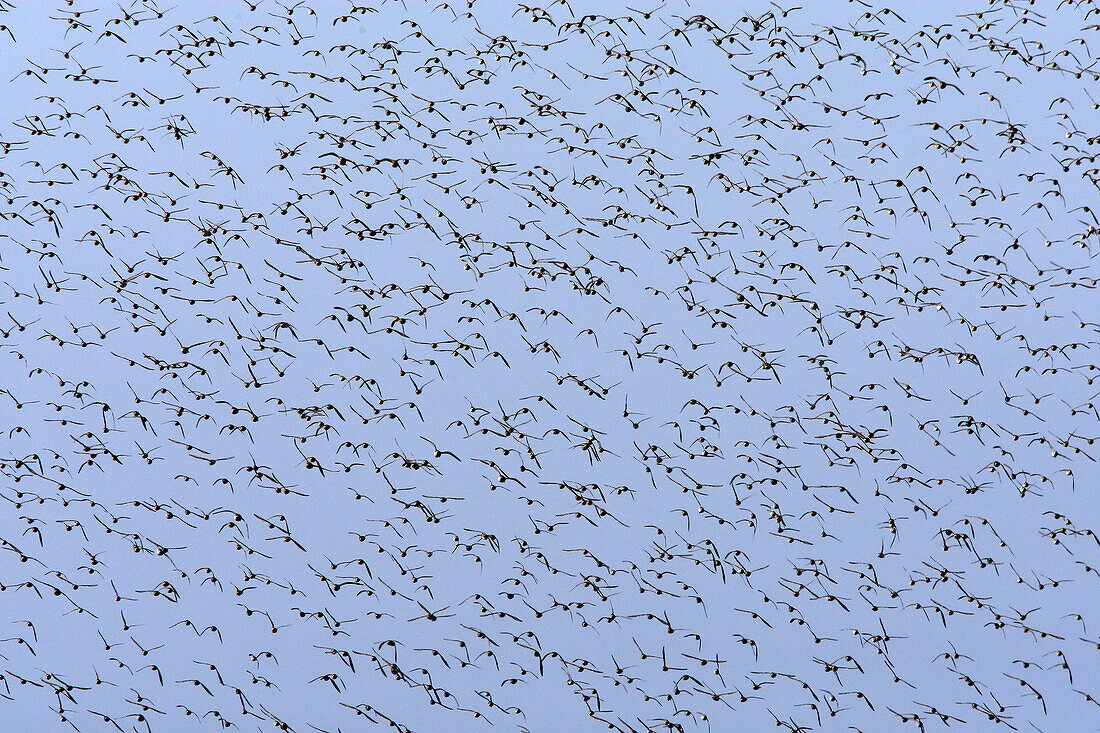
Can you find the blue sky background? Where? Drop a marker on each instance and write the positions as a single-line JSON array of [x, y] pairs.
[[491, 365]]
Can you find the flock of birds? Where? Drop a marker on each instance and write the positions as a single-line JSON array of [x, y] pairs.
[[663, 368]]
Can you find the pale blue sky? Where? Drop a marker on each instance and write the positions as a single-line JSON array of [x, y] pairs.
[[805, 267]]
